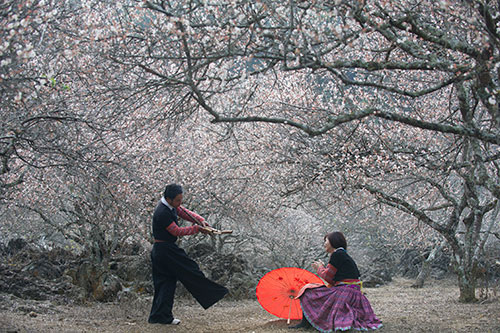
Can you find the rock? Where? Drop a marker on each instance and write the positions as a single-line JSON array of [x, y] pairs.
[[144, 287], [377, 274], [132, 268], [410, 264], [106, 288], [127, 295], [372, 280], [38, 275], [200, 250], [43, 269], [98, 283], [16, 245]]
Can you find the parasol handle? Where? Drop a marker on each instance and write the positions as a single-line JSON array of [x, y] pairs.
[[289, 310]]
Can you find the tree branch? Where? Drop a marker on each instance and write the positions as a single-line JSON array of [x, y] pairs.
[[407, 208], [443, 128]]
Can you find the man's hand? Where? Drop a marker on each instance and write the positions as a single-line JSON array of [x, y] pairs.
[[212, 231], [204, 223], [206, 230]]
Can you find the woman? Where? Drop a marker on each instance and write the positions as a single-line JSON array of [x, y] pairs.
[[340, 305]]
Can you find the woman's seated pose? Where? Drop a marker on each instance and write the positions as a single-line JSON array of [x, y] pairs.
[[340, 305]]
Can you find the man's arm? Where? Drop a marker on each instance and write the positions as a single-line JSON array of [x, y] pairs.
[[177, 231], [190, 216]]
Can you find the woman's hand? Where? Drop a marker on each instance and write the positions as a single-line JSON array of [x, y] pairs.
[[317, 264]]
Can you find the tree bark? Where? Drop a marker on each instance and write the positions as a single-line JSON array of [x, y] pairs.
[[426, 266], [467, 286]]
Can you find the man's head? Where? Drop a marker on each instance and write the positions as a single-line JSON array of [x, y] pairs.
[[173, 195]]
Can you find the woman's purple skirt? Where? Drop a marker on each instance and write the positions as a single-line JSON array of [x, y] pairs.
[[342, 308]]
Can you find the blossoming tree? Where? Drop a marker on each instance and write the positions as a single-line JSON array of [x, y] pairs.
[[415, 83]]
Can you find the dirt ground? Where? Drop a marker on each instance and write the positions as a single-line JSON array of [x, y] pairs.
[[400, 307]]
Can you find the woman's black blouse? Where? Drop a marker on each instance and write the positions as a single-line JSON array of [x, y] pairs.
[[345, 265]]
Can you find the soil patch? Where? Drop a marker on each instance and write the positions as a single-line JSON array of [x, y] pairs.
[[435, 308]]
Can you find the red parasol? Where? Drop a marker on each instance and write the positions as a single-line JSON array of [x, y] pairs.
[[277, 290]]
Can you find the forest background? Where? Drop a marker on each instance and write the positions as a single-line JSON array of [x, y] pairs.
[[283, 121]]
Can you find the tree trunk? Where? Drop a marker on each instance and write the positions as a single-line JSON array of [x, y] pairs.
[[426, 266], [467, 291], [467, 282], [423, 274]]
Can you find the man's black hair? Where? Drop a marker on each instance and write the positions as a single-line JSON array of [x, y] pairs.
[[171, 191]]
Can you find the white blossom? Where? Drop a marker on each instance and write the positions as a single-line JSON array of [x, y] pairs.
[[5, 62]]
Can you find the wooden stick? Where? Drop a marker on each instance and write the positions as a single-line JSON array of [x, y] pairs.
[[210, 230], [289, 311], [214, 231]]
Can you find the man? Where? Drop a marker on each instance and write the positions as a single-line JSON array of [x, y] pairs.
[[171, 263]]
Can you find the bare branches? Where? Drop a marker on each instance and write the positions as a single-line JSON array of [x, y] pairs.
[[332, 122], [400, 51], [406, 207], [443, 128], [156, 7]]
